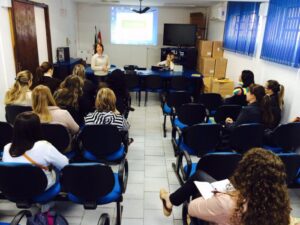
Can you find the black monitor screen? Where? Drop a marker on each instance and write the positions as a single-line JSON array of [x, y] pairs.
[[180, 34]]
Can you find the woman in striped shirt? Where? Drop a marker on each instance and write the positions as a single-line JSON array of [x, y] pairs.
[[106, 112]]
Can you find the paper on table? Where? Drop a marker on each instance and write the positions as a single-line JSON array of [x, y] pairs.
[[206, 189]]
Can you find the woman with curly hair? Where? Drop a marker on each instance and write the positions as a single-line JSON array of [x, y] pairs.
[[260, 195]]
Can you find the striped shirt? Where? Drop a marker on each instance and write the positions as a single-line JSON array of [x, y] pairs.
[[111, 118]]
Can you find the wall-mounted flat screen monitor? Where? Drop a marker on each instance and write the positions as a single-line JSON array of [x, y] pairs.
[[180, 34]]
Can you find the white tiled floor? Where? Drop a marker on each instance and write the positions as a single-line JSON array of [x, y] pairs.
[[150, 158]]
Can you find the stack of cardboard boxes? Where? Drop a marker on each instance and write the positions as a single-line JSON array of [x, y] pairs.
[[212, 66]]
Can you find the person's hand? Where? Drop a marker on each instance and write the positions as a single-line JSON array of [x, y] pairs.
[[297, 119], [105, 68], [228, 120]]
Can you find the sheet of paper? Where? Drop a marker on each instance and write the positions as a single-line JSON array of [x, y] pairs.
[[205, 188]]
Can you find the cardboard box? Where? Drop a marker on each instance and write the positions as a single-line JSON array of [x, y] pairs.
[[205, 48], [217, 50], [207, 66], [224, 87], [220, 68], [207, 84]]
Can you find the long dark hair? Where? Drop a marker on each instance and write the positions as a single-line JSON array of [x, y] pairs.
[[247, 78], [39, 73], [27, 131], [278, 90], [264, 102], [116, 81]]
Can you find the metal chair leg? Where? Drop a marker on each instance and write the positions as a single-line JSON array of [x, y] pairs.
[[146, 97], [164, 126], [119, 213]]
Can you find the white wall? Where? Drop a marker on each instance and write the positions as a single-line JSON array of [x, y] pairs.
[[263, 70], [63, 25], [90, 16]]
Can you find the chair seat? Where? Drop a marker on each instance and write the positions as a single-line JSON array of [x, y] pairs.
[[119, 154], [193, 169], [113, 196], [49, 194], [273, 149], [179, 124], [167, 109]]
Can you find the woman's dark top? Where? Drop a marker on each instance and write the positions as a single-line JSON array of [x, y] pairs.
[[87, 100], [51, 83], [276, 111], [249, 114]]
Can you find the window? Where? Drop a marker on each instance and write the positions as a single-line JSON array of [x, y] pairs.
[[241, 27], [282, 33], [128, 27]]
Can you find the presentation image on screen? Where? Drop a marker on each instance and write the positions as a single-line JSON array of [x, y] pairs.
[[179, 34], [128, 27]]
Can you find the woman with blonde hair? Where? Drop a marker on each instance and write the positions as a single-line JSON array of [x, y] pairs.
[[259, 195], [106, 111], [19, 93], [44, 105], [87, 99]]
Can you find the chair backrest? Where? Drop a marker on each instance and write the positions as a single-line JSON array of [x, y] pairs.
[[247, 136], [219, 165], [286, 136], [225, 111], [87, 181], [100, 140], [178, 98], [132, 81], [57, 135], [211, 101], [153, 82], [179, 83], [202, 138], [6, 132], [191, 113], [292, 165], [20, 182], [11, 112]]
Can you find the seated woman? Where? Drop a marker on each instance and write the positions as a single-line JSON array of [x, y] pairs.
[[45, 107], [257, 111], [116, 81], [20, 93], [100, 63], [27, 147], [168, 63], [260, 194], [106, 111], [44, 76], [87, 99], [276, 93], [67, 96], [239, 94]]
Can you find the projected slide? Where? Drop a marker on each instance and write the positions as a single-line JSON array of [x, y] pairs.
[[131, 28]]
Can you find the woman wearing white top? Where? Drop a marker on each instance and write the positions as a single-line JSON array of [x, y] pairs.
[[27, 147], [20, 93], [100, 63], [168, 63]]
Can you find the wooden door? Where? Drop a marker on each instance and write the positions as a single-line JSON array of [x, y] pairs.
[[26, 50], [199, 19]]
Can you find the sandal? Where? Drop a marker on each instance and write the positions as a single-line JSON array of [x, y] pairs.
[[167, 211], [130, 140]]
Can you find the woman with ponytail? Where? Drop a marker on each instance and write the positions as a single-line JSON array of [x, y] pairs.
[[44, 76], [276, 93], [19, 93], [258, 109]]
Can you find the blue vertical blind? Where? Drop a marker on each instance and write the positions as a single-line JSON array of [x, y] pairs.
[[282, 33], [241, 27]]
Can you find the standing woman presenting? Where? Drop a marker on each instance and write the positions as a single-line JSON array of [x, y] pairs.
[[100, 63]]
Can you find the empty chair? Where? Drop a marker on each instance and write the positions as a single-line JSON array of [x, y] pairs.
[[291, 161], [285, 137], [103, 143], [92, 184], [6, 132], [246, 136], [25, 184], [152, 83], [133, 84], [212, 101], [172, 103], [226, 111], [59, 137], [179, 83], [11, 112]]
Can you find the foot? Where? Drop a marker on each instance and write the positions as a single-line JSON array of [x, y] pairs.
[[167, 205], [130, 140], [131, 109]]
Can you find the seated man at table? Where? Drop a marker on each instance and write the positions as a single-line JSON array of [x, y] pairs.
[[168, 63]]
